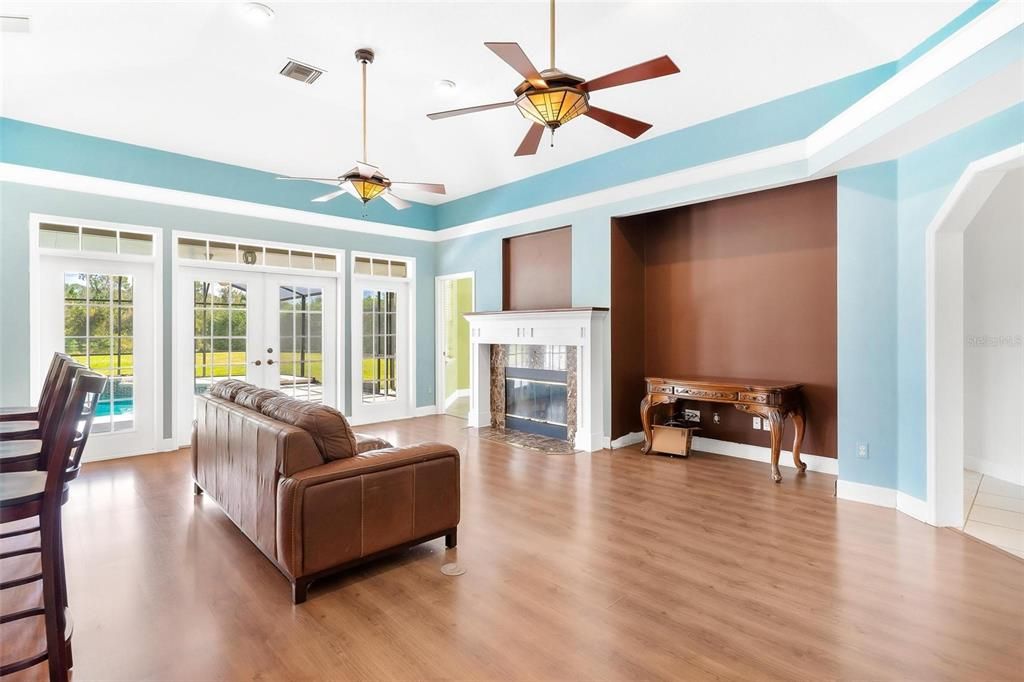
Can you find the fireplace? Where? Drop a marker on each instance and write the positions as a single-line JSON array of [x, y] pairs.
[[540, 371], [537, 399]]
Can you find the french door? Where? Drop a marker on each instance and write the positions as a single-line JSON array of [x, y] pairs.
[[100, 312], [381, 371], [273, 330]]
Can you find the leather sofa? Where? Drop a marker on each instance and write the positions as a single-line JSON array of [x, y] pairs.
[[313, 496]]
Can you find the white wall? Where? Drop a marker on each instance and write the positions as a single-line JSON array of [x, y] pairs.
[[994, 329]]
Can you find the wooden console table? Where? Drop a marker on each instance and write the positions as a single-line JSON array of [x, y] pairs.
[[769, 400]]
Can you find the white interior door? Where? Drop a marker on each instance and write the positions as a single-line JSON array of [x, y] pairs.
[[272, 330], [100, 312], [381, 372]]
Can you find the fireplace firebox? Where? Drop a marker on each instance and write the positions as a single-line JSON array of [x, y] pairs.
[[536, 401]]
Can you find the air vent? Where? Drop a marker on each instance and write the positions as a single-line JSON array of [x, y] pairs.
[[301, 72]]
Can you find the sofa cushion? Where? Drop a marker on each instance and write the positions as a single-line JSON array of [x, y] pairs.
[[366, 443], [253, 397], [227, 388], [327, 426]]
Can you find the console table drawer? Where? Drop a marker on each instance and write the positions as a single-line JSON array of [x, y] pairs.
[[759, 398], [706, 394], [659, 388]]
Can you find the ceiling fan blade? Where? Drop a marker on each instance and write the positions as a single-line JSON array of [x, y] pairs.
[[624, 124], [655, 68], [395, 200], [333, 181], [332, 195], [366, 170], [468, 110], [434, 188], [514, 56], [531, 140]]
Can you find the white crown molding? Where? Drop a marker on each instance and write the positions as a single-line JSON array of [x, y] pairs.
[[970, 39], [73, 182]]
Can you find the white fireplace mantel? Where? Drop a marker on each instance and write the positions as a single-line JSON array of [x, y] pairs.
[[580, 327]]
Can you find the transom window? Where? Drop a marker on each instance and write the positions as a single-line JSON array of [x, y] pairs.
[[380, 267], [94, 239], [241, 253]]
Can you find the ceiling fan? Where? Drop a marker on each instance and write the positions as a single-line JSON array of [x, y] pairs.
[[551, 98], [365, 182]]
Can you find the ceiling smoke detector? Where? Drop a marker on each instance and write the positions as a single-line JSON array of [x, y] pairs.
[[301, 72]]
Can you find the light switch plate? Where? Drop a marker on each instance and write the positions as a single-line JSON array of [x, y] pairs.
[[766, 425], [757, 423]]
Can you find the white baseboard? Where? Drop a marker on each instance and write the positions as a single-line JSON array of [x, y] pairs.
[[460, 393], [866, 493], [913, 507], [1004, 471], [884, 497], [757, 453], [627, 440]]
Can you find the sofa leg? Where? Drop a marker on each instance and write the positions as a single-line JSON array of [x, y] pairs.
[[451, 538], [196, 490], [300, 590]]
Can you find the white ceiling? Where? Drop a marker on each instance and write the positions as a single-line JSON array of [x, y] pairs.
[[198, 78]]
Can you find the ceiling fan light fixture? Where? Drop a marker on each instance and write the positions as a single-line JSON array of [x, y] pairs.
[[368, 188], [553, 107], [257, 12]]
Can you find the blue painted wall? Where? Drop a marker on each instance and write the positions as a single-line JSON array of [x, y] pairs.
[[925, 179], [867, 311], [17, 201]]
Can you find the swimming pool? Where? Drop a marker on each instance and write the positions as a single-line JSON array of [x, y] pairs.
[[120, 406]]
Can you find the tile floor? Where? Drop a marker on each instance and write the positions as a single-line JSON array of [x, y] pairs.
[[994, 511]]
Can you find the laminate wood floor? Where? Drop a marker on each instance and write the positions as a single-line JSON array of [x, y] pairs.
[[602, 566]]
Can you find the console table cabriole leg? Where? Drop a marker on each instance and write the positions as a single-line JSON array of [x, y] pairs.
[[647, 408], [776, 422], [799, 422]]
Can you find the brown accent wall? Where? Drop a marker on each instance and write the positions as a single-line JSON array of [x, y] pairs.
[[743, 286], [537, 270]]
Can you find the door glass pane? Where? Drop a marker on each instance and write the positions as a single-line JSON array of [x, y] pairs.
[[219, 316], [301, 324], [98, 333], [379, 357]]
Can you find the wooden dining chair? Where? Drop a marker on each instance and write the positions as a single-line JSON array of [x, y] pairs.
[[27, 413], [21, 429], [25, 454], [27, 494]]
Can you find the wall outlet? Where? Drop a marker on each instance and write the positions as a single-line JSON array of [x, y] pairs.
[[766, 425], [691, 415], [715, 417], [862, 450], [757, 423]]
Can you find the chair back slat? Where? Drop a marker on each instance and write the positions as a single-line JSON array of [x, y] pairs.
[[50, 420], [75, 418], [50, 381]]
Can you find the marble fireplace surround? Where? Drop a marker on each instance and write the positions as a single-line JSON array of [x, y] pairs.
[[582, 328]]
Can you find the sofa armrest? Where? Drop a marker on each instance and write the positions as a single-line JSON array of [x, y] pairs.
[[350, 508]]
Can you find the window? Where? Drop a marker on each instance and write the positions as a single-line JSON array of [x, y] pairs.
[[380, 318], [221, 251], [380, 267], [94, 239], [302, 337], [98, 333], [219, 311]]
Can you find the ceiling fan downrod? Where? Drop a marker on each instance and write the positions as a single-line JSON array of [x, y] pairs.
[[364, 56]]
